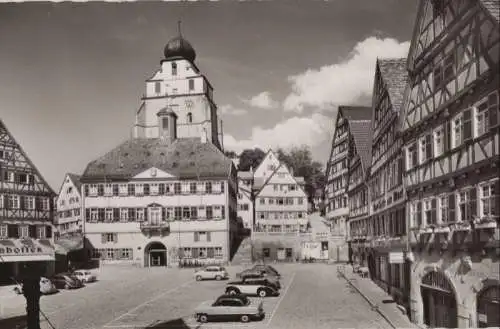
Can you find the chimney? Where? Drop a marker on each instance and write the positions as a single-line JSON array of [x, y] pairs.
[[167, 124]]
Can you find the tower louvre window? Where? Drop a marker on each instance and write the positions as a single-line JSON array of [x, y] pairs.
[[157, 87], [189, 117], [174, 68], [191, 84]]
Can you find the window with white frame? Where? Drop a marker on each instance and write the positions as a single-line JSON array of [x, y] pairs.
[[487, 113], [438, 141], [23, 231], [3, 231], [443, 208], [124, 214], [109, 214], [412, 155], [467, 204], [425, 148], [45, 204], [458, 127], [427, 212], [140, 214], [489, 199], [40, 232], [94, 214]]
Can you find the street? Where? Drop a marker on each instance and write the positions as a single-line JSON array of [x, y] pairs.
[[312, 296]]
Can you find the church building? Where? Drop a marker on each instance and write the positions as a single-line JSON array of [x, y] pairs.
[[169, 194]]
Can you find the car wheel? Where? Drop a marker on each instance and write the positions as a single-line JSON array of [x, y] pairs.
[[203, 318], [198, 278], [262, 292], [245, 318], [232, 292], [218, 277]]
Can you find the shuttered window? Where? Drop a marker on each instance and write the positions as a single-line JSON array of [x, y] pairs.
[[419, 214], [451, 208], [467, 125]]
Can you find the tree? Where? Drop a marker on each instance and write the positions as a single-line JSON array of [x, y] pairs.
[[299, 159], [250, 158]]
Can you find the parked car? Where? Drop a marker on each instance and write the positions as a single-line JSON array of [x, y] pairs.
[[211, 272], [261, 287], [270, 278], [66, 281], [260, 269], [46, 287], [230, 307], [84, 276]]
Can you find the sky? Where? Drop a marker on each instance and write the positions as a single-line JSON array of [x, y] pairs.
[[72, 74]]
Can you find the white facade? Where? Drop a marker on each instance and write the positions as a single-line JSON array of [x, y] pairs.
[[281, 203], [68, 204], [245, 205], [179, 85], [190, 218]]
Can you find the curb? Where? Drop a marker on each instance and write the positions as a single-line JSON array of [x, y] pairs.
[[372, 304]]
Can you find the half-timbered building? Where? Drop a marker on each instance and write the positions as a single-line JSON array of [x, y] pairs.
[[357, 188], [387, 228], [335, 196], [26, 212], [451, 140]]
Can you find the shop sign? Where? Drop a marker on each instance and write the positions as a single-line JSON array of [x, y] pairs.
[[396, 258], [20, 251], [482, 317]]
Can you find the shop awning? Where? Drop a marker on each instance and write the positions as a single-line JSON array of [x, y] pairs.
[[27, 258], [26, 250]]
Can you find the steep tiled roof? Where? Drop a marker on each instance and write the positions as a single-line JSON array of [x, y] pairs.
[[76, 180], [493, 7], [186, 158], [395, 75], [361, 133], [356, 112]]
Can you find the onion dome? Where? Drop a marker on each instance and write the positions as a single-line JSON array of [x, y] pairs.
[[179, 47]]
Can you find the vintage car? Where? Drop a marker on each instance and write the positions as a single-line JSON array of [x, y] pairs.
[[66, 281], [261, 287], [260, 269], [46, 287], [84, 275], [230, 307], [211, 272]]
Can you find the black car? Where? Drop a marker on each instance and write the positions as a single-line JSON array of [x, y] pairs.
[[66, 281], [260, 269], [261, 287]]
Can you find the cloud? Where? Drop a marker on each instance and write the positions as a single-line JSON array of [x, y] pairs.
[[262, 100], [231, 110], [345, 82], [294, 131]]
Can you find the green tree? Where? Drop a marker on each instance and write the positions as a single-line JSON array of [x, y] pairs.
[[299, 158], [250, 158]]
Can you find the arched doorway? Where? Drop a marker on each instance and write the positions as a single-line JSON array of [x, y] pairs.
[[488, 304], [155, 254], [438, 298]]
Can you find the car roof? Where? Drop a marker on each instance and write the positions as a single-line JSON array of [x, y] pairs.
[[227, 296]]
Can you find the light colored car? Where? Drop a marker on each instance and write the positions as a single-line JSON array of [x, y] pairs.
[[261, 287], [85, 276], [46, 287], [230, 307], [211, 273]]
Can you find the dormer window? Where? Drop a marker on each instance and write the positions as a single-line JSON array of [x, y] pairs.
[[189, 117]]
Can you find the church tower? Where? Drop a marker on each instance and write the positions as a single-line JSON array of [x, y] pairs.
[[180, 86]]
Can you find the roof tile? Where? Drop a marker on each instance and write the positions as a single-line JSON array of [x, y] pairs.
[[186, 158], [394, 73], [361, 133]]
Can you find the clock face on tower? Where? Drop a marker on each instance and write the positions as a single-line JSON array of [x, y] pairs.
[[189, 103]]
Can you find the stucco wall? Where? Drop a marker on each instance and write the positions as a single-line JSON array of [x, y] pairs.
[[466, 283]]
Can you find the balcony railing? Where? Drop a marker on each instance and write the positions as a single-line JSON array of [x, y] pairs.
[[158, 227]]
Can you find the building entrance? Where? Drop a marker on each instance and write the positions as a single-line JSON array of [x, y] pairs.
[[155, 254], [440, 305]]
